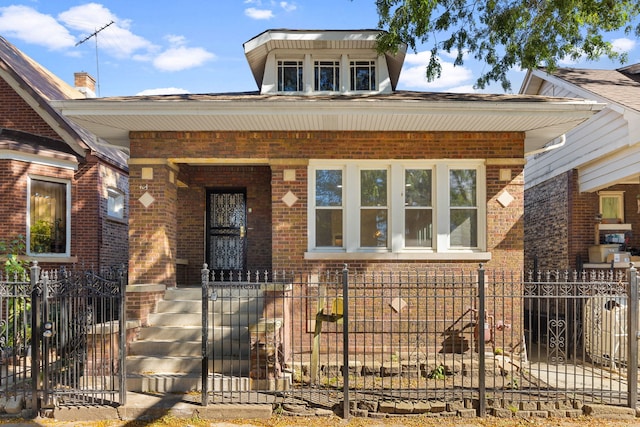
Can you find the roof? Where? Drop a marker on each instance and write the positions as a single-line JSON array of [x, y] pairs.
[[542, 119], [257, 49], [32, 80], [621, 86], [15, 140]]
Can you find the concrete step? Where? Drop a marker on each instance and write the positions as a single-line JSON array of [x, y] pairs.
[[230, 305], [195, 294], [226, 349], [195, 319], [173, 383], [144, 364], [193, 333]]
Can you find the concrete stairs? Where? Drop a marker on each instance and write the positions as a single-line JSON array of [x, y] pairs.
[[167, 356]]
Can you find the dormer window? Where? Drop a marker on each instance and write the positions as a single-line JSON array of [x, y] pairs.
[[325, 62], [290, 76], [363, 75], [326, 77]]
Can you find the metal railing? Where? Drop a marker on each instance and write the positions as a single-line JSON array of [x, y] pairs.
[[472, 337], [62, 337]]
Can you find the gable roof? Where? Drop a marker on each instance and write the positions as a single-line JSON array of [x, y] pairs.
[[38, 87], [621, 86]]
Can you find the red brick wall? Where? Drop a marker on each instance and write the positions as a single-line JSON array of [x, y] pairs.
[[152, 230], [153, 258], [95, 241], [88, 242], [546, 213], [85, 216], [141, 304], [15, 113], [13, 195], [114, 233], [191, 218], [327, 145], [289, 224], [560, 221]]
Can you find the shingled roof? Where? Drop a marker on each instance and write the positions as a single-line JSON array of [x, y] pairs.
[[31, 79], [621, 86]]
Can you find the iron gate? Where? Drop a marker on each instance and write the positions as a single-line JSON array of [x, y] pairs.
[[63, 337]]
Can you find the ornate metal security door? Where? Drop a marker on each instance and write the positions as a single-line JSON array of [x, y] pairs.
[[226, 237]]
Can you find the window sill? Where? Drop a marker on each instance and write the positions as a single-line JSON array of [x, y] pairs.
[[400, 256], [51, 259], [116, 219]]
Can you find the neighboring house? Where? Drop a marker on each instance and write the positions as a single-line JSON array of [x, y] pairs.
[[327, 164], [582, 192], [61, 187]]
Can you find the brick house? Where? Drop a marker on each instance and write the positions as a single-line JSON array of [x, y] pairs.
[[582, 191], [66, 189], [326, 164]]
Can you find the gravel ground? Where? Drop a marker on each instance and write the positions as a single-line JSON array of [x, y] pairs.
[[278, 421]]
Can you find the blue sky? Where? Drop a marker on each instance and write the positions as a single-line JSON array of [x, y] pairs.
[[195, 46]]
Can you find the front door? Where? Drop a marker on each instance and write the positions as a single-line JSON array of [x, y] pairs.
[[226, 230]]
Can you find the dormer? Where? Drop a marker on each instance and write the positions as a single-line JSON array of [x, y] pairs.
[[322, 62]]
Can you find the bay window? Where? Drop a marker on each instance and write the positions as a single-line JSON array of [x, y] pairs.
[[408, 207], [49, 216]]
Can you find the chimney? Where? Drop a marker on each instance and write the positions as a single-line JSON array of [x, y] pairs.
[[85, 84]]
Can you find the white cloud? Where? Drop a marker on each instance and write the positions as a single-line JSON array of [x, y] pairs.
[[622, 45], [31, 26], [116, 39], [180, 58], [87, 17], [413, 74], [254, 13], [288, 7], [163, 91]]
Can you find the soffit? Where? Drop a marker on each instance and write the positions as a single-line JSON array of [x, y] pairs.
[[541, 118]]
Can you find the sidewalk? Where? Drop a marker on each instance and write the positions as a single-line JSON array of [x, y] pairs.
[[174, 410]]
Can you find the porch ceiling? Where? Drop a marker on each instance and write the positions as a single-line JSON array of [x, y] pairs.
[[541, 118]]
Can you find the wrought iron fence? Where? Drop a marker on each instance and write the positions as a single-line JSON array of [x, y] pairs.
[[445, 340], [62, 337]]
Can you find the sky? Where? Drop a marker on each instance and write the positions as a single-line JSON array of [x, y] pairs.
[[138, 47]]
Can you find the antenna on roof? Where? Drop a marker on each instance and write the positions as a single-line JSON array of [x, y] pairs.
[[95, 34]]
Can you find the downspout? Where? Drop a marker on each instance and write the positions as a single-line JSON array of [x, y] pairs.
[[563, 139]]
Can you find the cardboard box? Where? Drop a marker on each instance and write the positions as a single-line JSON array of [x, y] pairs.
[[619, 257], [598, 253]]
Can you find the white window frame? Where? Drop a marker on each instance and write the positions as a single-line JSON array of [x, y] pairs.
[[115, 198], [300, 67], [336, 65], [618, 198], [373, 81], [67, 184], [396, 249]]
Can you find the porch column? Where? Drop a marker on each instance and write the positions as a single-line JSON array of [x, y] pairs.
[[152, 222]]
